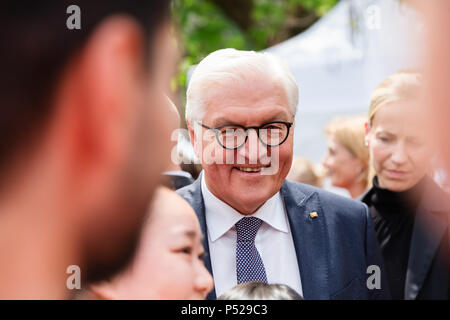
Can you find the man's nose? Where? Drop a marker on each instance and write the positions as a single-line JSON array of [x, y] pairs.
[[253, 149]]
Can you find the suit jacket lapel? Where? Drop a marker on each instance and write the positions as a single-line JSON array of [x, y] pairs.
[[309, 236], [429, 227], [310, 240], [197, 203]]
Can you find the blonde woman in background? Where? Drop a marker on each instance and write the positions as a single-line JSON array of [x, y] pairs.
[[303, 171], [347, 159], [407, 207]]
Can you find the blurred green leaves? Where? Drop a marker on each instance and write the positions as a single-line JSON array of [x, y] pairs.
[[208, 25]]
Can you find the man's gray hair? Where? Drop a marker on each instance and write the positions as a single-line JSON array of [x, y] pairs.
[[236, 65], [260, 291]]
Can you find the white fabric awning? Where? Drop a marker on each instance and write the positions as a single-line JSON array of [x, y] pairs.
[[341, 59]]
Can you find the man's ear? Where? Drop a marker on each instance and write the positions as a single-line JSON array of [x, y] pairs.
[[197, 148], [99, 96], [191, 131]]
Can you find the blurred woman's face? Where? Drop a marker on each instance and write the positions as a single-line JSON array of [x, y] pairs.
[[343, 168], [399, 149], [168, 264]]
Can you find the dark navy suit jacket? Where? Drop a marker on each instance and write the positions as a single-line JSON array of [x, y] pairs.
[[333, 250]]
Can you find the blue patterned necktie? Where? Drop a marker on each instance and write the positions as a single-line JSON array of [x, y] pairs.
[[249, 265]]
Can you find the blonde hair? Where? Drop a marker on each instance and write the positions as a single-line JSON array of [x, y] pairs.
[[350, 133], [401, 86], [302, 170]]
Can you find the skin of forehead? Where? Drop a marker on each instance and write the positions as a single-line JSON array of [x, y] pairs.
[[262, 95], [169, 207], [399, 118]]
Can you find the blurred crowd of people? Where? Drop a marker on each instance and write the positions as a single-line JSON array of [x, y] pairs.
[[96, 174]]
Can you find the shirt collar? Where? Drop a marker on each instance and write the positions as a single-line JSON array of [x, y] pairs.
[[220, 217]]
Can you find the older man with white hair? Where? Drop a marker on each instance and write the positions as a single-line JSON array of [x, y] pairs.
[[240, 114]]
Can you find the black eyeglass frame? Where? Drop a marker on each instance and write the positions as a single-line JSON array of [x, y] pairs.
[[246, 129]]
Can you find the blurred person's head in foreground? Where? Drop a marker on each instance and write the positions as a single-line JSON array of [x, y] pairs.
[[437, 71], [303, 171], [232, 90], [168, 263], [437, 76], [260, 291], [400, 148], [347, 158], [82, 114]]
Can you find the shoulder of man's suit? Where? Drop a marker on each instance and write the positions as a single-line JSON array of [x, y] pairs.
[[332, 204], [188, 192]]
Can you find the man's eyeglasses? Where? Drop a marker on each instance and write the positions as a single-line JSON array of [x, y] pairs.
[[234, 136]]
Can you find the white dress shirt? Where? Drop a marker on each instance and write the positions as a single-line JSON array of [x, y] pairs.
[[273, 242]]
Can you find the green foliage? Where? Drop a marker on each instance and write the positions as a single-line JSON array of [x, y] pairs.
[[204, 27], [320, 6]]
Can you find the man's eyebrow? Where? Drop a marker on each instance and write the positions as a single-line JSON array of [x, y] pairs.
[[282, 115], [277, 116], [221, 121]]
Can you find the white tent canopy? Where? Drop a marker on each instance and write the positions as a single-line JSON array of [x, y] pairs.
[[341, 59]]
